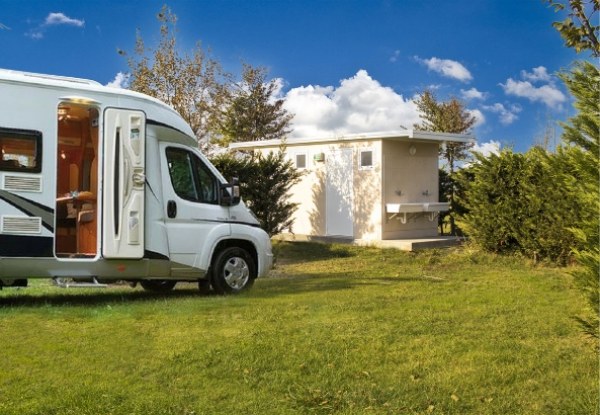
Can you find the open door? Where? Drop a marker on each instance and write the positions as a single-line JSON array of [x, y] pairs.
[[76, 210], [124, 184]]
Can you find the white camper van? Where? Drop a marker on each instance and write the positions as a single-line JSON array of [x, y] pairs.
[[102, 184]]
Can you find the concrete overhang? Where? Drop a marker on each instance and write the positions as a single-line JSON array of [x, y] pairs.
[[399, 135]]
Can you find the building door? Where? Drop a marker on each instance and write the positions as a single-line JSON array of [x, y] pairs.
[[124, 184], [339, 193]]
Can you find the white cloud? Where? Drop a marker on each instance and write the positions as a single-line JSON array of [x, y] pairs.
[[395, 56], [4, 27], [478, 115], [447, 68], [121, 81], [507, 115], [54, 19], [472, 93], [62, 19], [539, 74], [433, 87], [278, 91], [36, 34], [486, 149], [359, 104], [547, 94]]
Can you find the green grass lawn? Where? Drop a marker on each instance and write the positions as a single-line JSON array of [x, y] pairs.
[[334, 330]]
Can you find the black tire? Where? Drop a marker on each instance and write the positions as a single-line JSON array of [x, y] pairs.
[[158, 286], [204, 286], [232, 271]]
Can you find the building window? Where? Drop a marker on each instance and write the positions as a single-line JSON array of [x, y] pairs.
[[366, 159], [20, 150], [301, 161]]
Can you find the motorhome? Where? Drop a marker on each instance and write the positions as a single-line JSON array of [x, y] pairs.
[[100, 184]]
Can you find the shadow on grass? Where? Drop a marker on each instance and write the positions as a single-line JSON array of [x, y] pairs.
[[266, 288], [22, 298], [332, 282], [296, 252]]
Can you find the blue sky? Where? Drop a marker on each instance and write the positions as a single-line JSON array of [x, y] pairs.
[[344, 66]]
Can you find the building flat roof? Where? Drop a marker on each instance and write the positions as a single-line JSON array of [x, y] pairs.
[[399, 135]]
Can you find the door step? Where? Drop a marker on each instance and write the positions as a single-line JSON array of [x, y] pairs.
[[73, 283]]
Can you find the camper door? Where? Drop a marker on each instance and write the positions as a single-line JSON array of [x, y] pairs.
[[123, 184], [194, 216]]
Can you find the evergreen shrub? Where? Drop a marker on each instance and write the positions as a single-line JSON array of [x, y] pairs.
[[265, 181]]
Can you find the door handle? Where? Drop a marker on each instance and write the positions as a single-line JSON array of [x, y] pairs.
[[171, 209]]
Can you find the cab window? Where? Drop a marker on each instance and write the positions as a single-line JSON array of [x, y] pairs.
[[190, 177]]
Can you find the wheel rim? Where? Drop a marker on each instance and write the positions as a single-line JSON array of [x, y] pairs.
[[236, 273]]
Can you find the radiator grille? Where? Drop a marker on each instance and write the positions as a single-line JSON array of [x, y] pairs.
[[21, 224], [22, 183]]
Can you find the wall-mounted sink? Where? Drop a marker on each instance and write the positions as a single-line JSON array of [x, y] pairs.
[[400, 210], [436, 207], [404, 207]]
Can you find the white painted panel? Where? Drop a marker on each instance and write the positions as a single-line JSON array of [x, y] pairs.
[[339, 193], [124, 184]]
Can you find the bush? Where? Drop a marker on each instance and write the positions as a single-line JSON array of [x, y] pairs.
[[524, 203], [265, 181]]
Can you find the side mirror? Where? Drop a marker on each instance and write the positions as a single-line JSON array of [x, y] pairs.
[[230, 193]]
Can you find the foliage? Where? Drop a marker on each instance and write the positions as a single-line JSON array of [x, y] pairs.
[[523, 203], [445, 186], [265, 181], [254, 112], [336, 329], [582, 134], [583, 130], [195, 86], [446, 117], [578, 29]]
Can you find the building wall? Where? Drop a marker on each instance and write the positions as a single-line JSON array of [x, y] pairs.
[[409, 178], [310, 193], [397, 176], [367, 192]]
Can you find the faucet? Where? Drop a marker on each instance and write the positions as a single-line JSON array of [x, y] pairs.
[[399, 192], [425, 193]]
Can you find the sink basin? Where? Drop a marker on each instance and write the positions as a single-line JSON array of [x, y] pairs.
[[436, 207], [404, 207]]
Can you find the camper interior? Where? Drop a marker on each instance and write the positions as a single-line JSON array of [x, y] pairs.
[[77, 181]]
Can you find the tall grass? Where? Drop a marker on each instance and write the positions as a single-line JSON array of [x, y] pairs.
[[334, 330]]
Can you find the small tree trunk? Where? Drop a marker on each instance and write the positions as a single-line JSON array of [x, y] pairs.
[[452, 193]]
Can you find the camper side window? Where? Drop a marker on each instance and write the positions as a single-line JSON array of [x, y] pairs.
[[190, 178], [20, 150]]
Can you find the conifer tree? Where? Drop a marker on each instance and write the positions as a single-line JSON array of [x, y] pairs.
[[254, 112], [265, 181], [583, 133], [580, 31]]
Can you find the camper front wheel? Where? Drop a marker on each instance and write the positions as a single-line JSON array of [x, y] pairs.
[[233, 271]]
